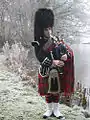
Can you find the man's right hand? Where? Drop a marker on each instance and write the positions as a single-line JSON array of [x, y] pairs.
[[58, 63]]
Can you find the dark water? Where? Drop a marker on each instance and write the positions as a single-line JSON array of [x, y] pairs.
[[82, 63]]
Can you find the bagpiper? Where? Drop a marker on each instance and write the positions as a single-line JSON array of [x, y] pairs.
[[56, 72]]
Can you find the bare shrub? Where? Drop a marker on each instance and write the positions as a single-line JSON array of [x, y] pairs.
[[16, 56]]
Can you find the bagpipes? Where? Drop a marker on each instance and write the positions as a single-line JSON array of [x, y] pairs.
[[53, 47], [49, 74]]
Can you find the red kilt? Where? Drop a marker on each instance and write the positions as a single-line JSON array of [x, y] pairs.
[[43, 85], [66, 79]]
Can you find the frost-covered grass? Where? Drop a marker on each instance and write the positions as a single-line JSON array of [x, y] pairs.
[[20, 101]]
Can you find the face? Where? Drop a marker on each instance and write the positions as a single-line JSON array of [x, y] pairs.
[[47, 32]]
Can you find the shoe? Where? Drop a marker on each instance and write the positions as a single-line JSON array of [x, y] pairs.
[[61, 118], [56, 112], [48, 113]]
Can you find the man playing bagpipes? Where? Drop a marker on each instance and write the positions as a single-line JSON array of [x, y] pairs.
[[56, 73]]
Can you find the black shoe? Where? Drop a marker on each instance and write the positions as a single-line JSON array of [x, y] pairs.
[[61, 118], [45, 117]]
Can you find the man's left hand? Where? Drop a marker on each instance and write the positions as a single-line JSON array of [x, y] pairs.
[[64, 57]]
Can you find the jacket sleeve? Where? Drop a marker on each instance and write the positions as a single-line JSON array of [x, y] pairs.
[[43, 57]]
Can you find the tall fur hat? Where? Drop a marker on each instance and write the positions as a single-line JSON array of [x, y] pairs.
[[43, 18]]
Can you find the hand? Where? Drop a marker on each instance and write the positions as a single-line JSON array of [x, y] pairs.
[[64, 57], [58, 63]]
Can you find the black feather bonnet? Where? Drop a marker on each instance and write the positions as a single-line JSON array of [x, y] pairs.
[[44, 18]]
